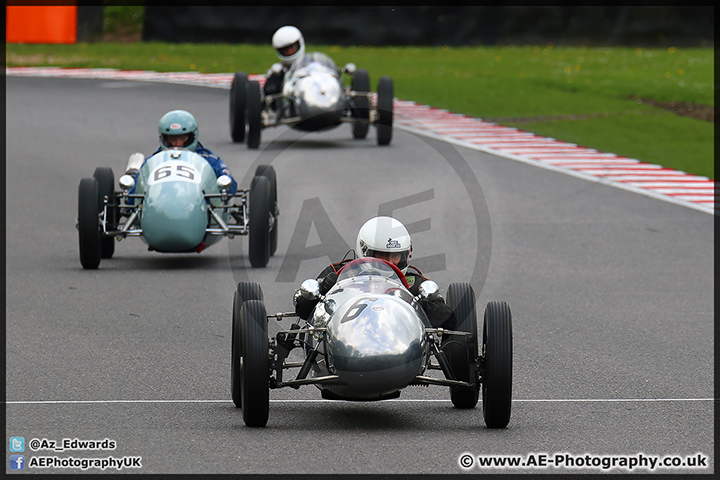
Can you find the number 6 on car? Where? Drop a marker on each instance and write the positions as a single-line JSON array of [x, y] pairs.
[[367, 339], [179, 206]]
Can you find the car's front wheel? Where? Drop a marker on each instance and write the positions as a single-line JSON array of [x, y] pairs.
[[259, 222], [238, 95], [497, 351], [361, 103], [384, 122], [245, 291], [254, 364], [269, 172], [89, 223], [106, 188]]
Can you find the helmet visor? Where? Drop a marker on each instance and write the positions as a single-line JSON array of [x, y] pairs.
[[399, 258], [178, 141], [289, 50]]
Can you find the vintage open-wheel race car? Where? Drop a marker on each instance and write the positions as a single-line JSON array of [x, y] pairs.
[[367, 339], [175, 204], [313, 98]]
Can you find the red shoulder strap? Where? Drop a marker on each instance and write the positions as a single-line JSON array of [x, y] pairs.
[[339, 265], [418, 272]]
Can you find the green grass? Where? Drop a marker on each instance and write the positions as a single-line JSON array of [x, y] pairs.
[[599, 87]]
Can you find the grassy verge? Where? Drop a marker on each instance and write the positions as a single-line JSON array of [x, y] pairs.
[[603, 98]]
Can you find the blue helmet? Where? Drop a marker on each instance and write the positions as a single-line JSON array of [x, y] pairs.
[[176, 123]]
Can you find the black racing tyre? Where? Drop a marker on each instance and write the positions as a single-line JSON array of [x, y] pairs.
[[259, 242], [254, 110], [235, 352], [460, 352], [238, 98], [89, 223], [106, 188], [497, 365], [361, 104], [269, 172], [248, 291], [245, 291], [254, 364], [384, 122]]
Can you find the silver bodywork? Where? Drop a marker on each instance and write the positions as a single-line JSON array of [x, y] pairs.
[[313, 96], [367, 338], [375, 335]]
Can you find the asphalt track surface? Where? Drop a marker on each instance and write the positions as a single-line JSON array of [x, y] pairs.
[[611, 294]]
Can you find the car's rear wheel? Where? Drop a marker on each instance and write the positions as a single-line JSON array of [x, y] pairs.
[[497, 364], [254, 364], [361, 104], [461, 351], [245, 291], [89, 223], [238, 106], [254, 110], [384, 122], [269, 172], [259, 242], [106, 188]]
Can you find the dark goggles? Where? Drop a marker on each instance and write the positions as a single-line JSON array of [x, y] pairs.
[[188, 141], [290, 49]]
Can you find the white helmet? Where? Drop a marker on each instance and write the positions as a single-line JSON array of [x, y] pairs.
[[384, 234], [289, 44]]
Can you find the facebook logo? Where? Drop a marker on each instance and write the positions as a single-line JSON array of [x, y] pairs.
[[17, 462], [17, 444]]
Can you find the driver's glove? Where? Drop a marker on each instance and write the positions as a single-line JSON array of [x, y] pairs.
[[303, 306], [275, 68], [327, 282]]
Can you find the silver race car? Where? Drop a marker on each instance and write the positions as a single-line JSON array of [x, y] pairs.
[[313, 98], [367, 339]]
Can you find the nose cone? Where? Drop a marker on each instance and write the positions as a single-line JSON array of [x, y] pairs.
[[174, 216], [376, 344], [320, 90], [319, 101]]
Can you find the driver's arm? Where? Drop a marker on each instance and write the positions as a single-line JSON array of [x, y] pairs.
[[303, 306], [274, 78], [438, 312]]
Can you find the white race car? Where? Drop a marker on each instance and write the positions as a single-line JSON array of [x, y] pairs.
[[313, 98]]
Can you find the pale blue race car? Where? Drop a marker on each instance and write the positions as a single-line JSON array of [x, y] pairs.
[[179, 205]]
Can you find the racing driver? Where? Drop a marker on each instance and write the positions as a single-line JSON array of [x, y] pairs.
[[289, 45], [388, 239], [179, 129]]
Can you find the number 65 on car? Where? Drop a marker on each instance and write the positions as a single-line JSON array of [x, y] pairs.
[[178, 206]]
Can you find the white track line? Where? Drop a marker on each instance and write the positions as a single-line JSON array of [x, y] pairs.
[[468, 132], [550, 400]]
